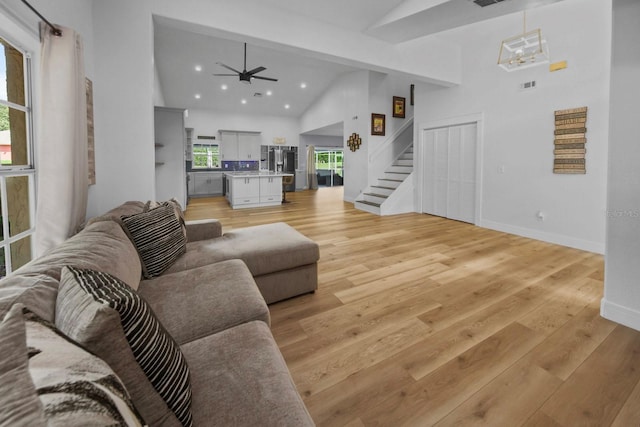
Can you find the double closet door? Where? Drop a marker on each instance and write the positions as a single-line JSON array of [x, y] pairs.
[[449, 162]]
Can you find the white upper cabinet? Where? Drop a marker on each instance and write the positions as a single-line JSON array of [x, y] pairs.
[[239, 145]]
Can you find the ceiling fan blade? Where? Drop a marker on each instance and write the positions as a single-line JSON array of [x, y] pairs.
[[256, 70], [225, 75], [264, 78], [228, 68]]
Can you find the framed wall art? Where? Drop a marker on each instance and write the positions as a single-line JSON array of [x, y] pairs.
[[377, 124], [398, 106]]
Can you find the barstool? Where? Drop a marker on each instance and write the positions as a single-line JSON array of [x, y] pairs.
[[286, 180]]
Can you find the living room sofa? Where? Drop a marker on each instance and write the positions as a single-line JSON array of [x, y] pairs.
[[207, 301]]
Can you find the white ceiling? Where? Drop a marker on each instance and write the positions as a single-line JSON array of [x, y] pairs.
[[177, 52], [180, 47]]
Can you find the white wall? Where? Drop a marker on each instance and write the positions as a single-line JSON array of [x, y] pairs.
[[158, 94], [621, 301], [322, 141], [347, 101], [208, 122], [123, 104], [382, 89], [169, 154], [518, 126]]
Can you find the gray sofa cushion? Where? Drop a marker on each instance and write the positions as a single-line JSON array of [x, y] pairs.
[[203, 229], [209, 299], [102, 246], [243, 380], [127, 208], [36, 291], [264, 248], [98, 328]]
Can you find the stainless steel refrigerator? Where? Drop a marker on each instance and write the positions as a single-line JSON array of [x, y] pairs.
[[289, 166], [283, 161]]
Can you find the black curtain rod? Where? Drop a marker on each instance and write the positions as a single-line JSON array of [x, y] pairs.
[[54, 30]]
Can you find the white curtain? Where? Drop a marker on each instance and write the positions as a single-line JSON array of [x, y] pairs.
[[312, 178], [61, 148]]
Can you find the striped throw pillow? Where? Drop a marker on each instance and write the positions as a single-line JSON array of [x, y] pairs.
[[177, 210], [154, 349], [158, 237]]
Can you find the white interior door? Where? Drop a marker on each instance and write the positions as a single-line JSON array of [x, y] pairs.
[[449, 159]]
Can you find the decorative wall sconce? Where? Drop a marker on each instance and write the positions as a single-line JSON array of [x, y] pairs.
[[354, 141]]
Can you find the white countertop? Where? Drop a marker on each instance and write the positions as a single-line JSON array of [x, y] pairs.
[[238, 174]]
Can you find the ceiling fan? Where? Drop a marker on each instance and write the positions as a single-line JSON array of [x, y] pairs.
[[244, 75]]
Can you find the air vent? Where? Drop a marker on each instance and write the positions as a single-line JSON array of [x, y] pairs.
[[528, 85], [483, 3]]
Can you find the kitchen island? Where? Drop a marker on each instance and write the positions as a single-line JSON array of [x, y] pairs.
[[254, 189]]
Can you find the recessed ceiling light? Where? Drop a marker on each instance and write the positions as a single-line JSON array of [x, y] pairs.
[[198, 67], [287, 106], [303, 85], [223, 87], [244, 101], [269, 93], [197, 96]]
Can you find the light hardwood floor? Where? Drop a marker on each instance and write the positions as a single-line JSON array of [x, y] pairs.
[[419, 321]]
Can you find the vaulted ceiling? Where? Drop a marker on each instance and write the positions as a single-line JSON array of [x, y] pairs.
[[179, 49]]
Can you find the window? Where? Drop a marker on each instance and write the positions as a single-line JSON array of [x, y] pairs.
[[206, 156], [17, 202], [329, 167]]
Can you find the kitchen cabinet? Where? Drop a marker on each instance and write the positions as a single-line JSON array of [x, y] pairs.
[[270, 189], [235, 145], [205, 184], [252, 190], [188, 150], [244, 190]]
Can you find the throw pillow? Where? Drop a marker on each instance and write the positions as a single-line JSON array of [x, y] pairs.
[[108, 317], [19, 403], [48, 380], [177, 210], [158, 238], [75, 387]]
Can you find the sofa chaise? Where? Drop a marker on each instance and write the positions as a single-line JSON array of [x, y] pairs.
[[211, 303]]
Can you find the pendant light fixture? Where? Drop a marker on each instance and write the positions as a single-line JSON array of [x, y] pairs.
[[523, 51]]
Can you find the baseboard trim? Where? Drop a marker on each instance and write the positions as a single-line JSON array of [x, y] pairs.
[[557, 239], [620, 314]]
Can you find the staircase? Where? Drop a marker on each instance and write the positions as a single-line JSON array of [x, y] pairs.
[[393, 192]]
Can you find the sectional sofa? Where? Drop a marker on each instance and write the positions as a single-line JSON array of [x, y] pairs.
[[221, 364]]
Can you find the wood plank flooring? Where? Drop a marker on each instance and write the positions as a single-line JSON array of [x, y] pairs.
[[420, 321]]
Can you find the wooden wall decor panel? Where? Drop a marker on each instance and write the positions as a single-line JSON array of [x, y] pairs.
[[569, 143]]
